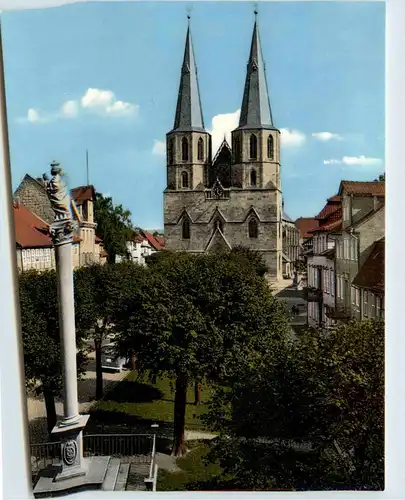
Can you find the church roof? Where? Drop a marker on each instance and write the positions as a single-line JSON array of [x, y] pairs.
[[256, 110], [189, 115]]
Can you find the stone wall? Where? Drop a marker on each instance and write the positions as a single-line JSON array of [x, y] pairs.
[[33, 196]]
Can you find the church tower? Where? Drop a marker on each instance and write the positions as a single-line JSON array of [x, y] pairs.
[[233, 199], [188, 144], [256, 141]]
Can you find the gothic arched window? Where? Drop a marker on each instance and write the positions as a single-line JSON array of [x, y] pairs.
[[185, 230], [200, 149], [270, 147], [253, 146], [253, 228], [171, 151], [184, 180], [253, 178], [184, 149], [236, 147]]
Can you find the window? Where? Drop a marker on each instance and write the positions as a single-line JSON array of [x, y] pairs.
[[170, 152], [253, 228], [354, 249], [200, 149], [184, 179], [270, 147], [378, 307], [184, 149], [365, 303], [332, 283], [186, 229], [236, 145], [353, 295], [253, 178], [253, 147], [338, 291]]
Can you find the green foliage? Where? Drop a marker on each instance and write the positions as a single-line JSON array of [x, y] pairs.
[[40, 330], [114, 226], [194, 469], [326, 392], [381, 178], [199, 316], [251, 258]]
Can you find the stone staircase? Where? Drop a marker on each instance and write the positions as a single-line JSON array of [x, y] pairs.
[[137, 474]]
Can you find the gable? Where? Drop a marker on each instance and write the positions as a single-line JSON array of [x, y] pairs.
[[218, 242]]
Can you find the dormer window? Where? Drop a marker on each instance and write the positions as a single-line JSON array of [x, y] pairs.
[[184, 149], [184, 180], [253, 178], [200, 149], [270, 147], [253, 228], [253, 147]]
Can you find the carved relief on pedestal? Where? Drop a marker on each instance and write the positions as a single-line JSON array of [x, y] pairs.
[[70, 450]]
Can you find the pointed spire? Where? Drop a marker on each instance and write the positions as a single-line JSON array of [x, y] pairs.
[[256, 110], [189, 115]]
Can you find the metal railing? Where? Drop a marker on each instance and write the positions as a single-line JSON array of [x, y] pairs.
[[44, 454], [137, 447]]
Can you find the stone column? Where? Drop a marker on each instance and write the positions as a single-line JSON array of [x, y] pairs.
[[70, 429]]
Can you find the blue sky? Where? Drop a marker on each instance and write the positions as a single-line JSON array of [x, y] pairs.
[[104, 76]]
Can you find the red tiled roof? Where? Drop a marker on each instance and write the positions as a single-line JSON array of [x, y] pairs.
[[83, 193], [372, 273], [160, 240], [30, 230], [304, 224], [151, 239], [333, 222], [98, 240], [335, 198], [360, 188]]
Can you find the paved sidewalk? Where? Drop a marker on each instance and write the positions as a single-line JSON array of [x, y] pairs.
[[86, 393]]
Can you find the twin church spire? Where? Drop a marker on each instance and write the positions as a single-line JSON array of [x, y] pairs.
[[255, 110]]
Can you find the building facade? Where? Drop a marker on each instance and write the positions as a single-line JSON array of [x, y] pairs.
[[33, 243], [235, 198], [31, 193], [345, 258]]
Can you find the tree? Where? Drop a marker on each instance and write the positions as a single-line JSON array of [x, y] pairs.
[[327, 394], [41, 341], [114, 226], [251, 258], [197, 317], [97, 293], [381, 178]]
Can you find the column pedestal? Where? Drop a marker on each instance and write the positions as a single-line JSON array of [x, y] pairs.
[[71, 438]]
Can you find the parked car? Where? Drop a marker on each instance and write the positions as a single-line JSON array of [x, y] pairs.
[[110, 360]]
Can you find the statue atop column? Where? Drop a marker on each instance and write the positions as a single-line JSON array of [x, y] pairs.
[[62, 204]]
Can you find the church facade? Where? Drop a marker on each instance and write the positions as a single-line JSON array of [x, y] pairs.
[[235, 198]]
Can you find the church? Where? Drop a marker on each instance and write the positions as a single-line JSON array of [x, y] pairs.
[[235, 198]]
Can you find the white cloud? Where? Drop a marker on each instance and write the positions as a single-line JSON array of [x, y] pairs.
[[355, 161], [159, 148], [100, 102], [292, 138], [326, 136], [70, 109], [105, 102], [33, 115], [221, 126]]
